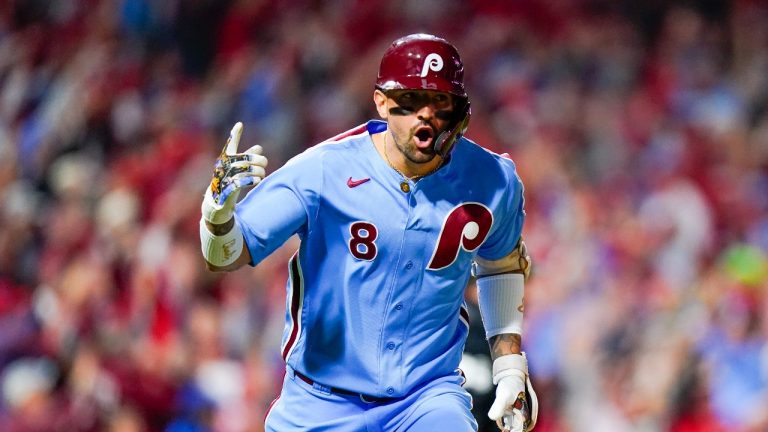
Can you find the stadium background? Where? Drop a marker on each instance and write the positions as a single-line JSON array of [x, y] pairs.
[[640, 130]]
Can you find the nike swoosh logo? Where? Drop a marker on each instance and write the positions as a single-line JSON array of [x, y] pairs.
[[355, 183]]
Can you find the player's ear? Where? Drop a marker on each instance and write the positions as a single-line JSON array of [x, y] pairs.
[[380, 100]]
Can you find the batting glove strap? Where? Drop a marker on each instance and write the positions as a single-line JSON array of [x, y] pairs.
[[221, 250], [215, 213], [511, 364]]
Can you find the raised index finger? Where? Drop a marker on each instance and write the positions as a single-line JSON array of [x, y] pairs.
[[234, 139]]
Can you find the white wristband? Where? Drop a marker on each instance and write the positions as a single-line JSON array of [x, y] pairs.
[[221, 250], [500, 298]]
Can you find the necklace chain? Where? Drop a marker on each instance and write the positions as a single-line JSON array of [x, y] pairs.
[[391, 165]]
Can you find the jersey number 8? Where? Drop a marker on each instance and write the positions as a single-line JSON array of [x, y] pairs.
[[362, 243]]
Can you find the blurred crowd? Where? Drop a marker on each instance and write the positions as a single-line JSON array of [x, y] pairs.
[[640, 130]]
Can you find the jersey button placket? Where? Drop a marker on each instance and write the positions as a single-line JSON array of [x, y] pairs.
[[391, 346]]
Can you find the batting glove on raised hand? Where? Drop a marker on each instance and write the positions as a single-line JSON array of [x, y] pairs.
[[232, 172], [516, 407]]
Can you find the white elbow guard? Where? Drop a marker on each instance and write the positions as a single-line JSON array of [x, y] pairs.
[[221, 250], [500, 298]]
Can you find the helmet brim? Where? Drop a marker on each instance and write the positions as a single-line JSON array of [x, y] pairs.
[[419, 83]]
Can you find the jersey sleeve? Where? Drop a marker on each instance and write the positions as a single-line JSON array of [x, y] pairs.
[[282, 205], [510, 217]]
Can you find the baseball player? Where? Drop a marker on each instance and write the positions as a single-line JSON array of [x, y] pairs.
[[393, 216]]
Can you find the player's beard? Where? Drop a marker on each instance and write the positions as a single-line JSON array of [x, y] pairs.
[[416, 155], [413, 153]]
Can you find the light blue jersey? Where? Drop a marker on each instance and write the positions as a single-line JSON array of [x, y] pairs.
[[375, 294]]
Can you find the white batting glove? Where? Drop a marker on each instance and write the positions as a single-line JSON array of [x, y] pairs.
[[516, 406], [232, 172]]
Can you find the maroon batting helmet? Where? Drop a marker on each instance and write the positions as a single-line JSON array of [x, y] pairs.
[[426, 62], [422, 62]]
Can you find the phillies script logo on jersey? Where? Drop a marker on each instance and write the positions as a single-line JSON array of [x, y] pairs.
[[433, 62], [466, 227]]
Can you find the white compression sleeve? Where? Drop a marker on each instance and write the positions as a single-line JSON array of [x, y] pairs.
[[221, 250], [500, 298]]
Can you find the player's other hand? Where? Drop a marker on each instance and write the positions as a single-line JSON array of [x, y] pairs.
[[516, 406], [232, 172]]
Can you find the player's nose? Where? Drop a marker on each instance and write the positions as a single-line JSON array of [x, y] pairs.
[[426, 112]]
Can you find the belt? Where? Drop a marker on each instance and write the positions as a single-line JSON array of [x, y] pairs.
[[363, 397]]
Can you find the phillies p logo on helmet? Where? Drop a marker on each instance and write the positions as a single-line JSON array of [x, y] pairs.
[[432, 62]]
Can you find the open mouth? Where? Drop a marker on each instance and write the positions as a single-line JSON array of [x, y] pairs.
[[424, 135]]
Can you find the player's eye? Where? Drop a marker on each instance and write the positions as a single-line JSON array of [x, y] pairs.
[[411, 101], [408, 98], [442, 101]]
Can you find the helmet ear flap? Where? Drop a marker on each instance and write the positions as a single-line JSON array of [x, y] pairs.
[[445, 141]]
